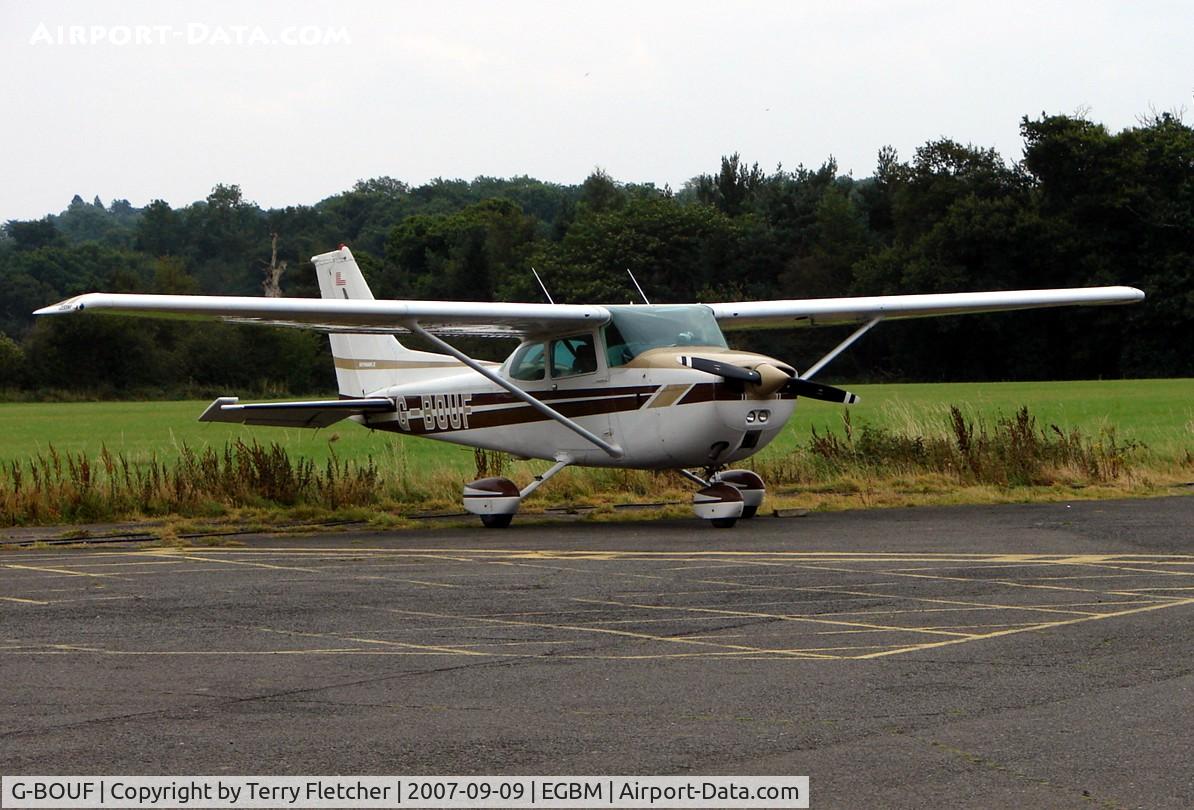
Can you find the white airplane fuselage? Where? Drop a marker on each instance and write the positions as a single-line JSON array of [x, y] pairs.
[[661, 417]]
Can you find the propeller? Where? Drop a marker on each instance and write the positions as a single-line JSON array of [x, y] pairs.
[[727, 370], [816, 390], [768, 379]]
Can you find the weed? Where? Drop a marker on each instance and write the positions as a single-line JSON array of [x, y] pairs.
[[931, 456]]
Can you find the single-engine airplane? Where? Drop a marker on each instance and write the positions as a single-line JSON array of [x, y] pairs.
[[641, 386]]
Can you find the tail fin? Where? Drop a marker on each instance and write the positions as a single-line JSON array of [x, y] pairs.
[[369, 363]]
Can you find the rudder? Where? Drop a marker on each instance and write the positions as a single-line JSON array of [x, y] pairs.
[[368, 363]]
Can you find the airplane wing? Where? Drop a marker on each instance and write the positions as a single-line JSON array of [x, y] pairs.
[[830, 311], [353, 315], [314, 414], [514, 320]]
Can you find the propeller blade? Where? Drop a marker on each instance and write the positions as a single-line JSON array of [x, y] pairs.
[[726, 370], [815, 390], [795, 385]]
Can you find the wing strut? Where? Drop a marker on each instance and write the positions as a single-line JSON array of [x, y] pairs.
[[612, 449], [839, 348]]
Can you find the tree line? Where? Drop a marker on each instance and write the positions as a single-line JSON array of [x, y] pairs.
[[1083, 206]]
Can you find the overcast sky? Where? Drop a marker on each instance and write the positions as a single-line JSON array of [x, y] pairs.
[[296, 101]]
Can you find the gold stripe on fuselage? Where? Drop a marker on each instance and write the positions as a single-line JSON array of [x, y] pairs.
[[370, 365], [667, 395]]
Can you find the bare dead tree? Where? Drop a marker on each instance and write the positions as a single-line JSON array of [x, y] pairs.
[[272, 284]]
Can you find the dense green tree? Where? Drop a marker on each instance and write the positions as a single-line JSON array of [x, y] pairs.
[[677, 253], [1085, 206], [33, 234], [160, 231], [732, 188], [12, 361], [600, 192], [83, 222], [464, 256]]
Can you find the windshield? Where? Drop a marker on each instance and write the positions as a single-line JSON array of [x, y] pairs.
[[633, 330]]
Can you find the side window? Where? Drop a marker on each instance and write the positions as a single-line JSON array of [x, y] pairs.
[[527, 363], [574, 355]]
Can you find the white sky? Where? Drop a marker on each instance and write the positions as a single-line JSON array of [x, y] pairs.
[[648, 91]]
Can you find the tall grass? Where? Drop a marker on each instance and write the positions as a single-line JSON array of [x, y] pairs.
[[953, 449], [70, 487], [1008, 452]]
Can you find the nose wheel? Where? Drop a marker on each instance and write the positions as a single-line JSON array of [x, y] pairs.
[[727, 496]]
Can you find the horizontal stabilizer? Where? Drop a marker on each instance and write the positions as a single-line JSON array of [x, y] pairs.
[[313, 414]]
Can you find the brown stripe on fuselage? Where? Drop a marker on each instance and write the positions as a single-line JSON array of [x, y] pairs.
[[504, 398], [602, 401], [525, 413], [711, 392]]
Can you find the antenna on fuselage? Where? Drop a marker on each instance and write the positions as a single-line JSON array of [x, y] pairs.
[[542, 286], [640, 289]]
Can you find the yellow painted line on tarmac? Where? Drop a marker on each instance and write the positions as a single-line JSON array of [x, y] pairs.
[[880, 556], [1008, 582], [777, 616], [730, 564], [377, 578], [196, 558], [130, 563], [224, 653], [586, 571], [589, 629], [736, 656], [18, 600], [428, 648], [1109, 567], [62, 571], [1013, 631], [930, 600]]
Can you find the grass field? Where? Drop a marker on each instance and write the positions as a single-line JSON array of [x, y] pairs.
[[1157, 413], [904, 446]]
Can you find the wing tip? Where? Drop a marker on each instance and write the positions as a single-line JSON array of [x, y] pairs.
[[62, 307]]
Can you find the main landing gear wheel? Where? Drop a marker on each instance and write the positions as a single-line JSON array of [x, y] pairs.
[[727, 496], [749, 484], [720, 504], [494, 500]]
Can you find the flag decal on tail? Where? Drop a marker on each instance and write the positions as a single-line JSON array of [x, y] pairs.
[[340, 280]]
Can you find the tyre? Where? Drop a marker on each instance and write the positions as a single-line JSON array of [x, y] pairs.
[[723, 523], [496, 521], [749, 511]]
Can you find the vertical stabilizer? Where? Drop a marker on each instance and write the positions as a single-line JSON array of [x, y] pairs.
[[369, 363]]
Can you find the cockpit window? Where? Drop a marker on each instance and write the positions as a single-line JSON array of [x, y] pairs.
[[633, 330], [527, 363], [573, 355]]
